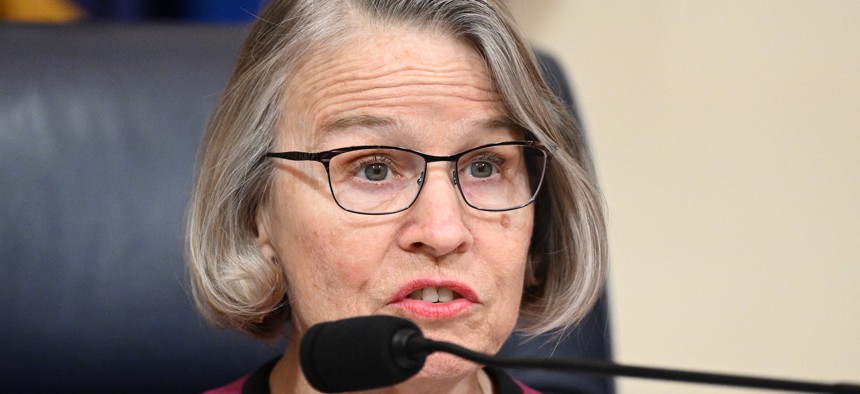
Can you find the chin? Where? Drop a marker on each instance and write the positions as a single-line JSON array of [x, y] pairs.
[[471, 337], [441, 367]]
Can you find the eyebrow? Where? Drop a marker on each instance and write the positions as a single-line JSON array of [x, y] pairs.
[[498, 122], [374, 121], [384, 124], [368, 121]]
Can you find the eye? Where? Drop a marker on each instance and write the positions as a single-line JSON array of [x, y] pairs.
[[484, 165], [481, 169], [374, 168], [376, 172]]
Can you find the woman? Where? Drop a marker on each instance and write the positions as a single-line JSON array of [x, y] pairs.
[[399, 158]]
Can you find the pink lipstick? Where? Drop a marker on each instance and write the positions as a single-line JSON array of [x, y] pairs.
[[433, 299]]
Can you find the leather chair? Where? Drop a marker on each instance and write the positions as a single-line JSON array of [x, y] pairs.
[[99, 130]]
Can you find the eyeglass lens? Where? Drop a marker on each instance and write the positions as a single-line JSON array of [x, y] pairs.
[[384, 180]]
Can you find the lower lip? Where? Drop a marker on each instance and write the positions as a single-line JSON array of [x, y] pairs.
[[429, 310]]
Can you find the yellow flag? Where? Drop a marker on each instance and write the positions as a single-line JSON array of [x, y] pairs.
[[45, 11]]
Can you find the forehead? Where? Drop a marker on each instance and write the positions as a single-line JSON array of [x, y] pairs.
[[382, 80]]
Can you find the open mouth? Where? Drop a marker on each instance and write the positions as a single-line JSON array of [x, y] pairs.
[[434, 295], [435, 299]]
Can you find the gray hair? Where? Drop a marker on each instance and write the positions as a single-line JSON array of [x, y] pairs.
[[235, 286]]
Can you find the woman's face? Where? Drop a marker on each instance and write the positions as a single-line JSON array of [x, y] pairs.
[[422, 91]]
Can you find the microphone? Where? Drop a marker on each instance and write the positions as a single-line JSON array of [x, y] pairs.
[[363, 353], [360, 353]]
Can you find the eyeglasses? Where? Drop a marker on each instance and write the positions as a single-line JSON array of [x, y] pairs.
[[381, 180]]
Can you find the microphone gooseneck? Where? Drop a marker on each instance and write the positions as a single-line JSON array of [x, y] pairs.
[[376, 351], [609, 368]]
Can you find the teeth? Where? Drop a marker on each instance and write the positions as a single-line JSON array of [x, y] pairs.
[[432, 294], [446, 295]]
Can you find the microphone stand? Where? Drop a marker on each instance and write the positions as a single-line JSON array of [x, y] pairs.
[[418, 344]]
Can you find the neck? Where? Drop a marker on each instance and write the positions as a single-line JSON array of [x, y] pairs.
[[287, 376]]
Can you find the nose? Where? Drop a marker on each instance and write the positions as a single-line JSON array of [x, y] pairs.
[[434, 224]]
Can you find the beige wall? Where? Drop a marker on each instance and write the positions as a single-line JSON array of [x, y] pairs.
[[727, 140]]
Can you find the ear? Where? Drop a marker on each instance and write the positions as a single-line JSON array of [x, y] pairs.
[[262, 233]]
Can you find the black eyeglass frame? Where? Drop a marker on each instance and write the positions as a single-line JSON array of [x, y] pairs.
[[325, 158]]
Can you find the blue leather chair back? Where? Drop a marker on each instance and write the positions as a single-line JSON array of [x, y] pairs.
[[99, 131]]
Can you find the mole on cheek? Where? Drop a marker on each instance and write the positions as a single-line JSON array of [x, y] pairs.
[[505, 221]]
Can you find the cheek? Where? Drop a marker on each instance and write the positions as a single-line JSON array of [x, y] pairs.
[[504, 244], [329, 270], [516, 231], [310, 235]]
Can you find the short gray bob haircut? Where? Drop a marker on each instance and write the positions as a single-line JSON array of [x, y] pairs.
[[234, 286]]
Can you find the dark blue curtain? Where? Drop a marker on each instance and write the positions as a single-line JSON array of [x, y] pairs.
[[187, 10]]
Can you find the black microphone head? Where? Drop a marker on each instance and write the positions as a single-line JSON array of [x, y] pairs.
[[359, 353]]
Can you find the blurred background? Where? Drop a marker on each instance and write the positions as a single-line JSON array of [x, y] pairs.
[[231, 11], [727, 141], [726, 137]]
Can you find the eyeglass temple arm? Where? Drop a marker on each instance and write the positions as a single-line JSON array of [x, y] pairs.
[[301, 156]]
